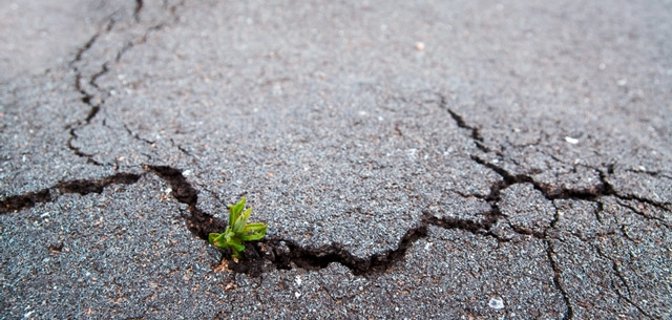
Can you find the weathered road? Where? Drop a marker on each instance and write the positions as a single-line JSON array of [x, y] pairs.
[[447, 160]]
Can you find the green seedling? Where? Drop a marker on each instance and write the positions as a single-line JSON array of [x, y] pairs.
[[239, 230]]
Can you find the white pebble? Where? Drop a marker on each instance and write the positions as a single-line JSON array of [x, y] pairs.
[[496, 303], [420, 46], [571, 140]]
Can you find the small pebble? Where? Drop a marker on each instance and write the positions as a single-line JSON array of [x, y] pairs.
[[420, 46], [496, 303], [571, 140]]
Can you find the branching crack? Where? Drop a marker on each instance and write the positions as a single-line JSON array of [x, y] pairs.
[[95, 100], [550, 192]]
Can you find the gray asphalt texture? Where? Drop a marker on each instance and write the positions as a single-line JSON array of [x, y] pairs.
[[413, 160]]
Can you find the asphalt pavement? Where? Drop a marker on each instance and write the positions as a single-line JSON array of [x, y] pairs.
[[413, 160]]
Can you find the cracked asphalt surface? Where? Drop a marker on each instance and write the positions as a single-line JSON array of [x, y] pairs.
[[462, 160]]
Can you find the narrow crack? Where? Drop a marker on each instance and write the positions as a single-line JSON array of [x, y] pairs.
[[555, 266], [642, 214], [655, 174], [475, 133], [138, 9], [78, 152], [617, 271], [137, 136], [86, 97], [95, 100], [557, 280], [550, 192]]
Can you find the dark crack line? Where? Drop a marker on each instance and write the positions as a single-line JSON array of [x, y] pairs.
[[642, 214], [88, 97], [138, 9], [78, 152], [555, 266], [475, 133], [87, 46], [80, 186], [137, 136], [182, 149], [199, 222], [615, 268], [283, 253], [557, 280], [287, 254], [655, 174], [550, 192]]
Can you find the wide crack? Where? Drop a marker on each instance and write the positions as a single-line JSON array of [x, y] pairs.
[[270, 253], [278, 253], [80, 186]]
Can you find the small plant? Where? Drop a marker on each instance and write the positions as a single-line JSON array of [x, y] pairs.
[[238, 231]]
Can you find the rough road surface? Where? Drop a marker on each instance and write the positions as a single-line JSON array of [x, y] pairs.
[[433, 160]]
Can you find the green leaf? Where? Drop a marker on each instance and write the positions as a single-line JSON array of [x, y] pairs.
[[255, 227], [238, 231], [241, 221], [236, 209], [212, 236], [236, 245], [254, 231], [220, 240]]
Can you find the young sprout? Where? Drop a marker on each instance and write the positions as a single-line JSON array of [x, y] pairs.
[[239, 230]]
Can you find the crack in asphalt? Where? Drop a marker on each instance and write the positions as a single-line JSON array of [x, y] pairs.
[[79, 186], [593, 194], [277, 253], [475, 133], [615, 268], [95, 100], [557, 280], [284, 253], [138, 8], [555, 266], [287, 254], [86, 97]]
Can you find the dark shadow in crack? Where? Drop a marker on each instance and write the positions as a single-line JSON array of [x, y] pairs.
[[81, 186]]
